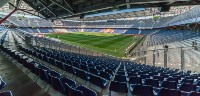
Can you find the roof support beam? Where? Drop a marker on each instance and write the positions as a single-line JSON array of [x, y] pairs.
[[18, 3], [5, 18], [68, 5], [47, 8], [32, 13], [62, 6]]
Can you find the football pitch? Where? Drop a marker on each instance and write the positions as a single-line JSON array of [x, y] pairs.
[[111, 44]]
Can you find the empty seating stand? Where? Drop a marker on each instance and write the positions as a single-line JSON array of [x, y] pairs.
[[142, 80]]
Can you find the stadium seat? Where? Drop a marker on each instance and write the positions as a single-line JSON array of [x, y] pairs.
[[43, 73], [187, 87], [2, 83], [118, 87], [57, 84], [75, 92], [141, 90], [152, 82], [83, 75], [70, 82], [67, 88], [194, 94], [86, 91], [159, 78], [130, 74], [135, 80], [169, 84], [187, 81], [169, 92], [6, 93], [105, 75], [94, 71], [98, 81], [145, 76], [120, 78], [60, 65], [175, 79]]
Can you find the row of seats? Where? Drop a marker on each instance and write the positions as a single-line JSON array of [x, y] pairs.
[[149, 80], [168, 36], [62, 84], [2, 85], [145, 80], [2, 82], [144, 75], [98, 75]]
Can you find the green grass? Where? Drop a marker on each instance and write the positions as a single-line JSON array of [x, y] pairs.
[[112, 44]]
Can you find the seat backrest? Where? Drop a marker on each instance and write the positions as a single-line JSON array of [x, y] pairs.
[[143, 90], [70, 82], [3, 83], [194, 94], [75, 92], [145, 76], [159, 78], [86, 91], [169, 84], [57, 84], [105, 75], [187, 87], [118, 87], [169, 92], [173, 79], [152, 82], [187, 81], [98, 81], [120, 78], [135, 80], [6, 93]]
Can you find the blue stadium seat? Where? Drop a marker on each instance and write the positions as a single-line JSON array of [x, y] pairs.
[[6, 93], [43, 73], [105, 75], [159, 78], [57, 84], [94, 71], [169, 92], [75, 92], [152, 82], [120, 78], [130, 74], [2, 83], [175, 79], [83, 75], [145, 76], [141, 90], [169, 84], [98, 81], [118, 87], [86, 91], [67, 89], [194, 94], [187, 81], [187, 87], [135, 80], [60, 65], [70, 82]]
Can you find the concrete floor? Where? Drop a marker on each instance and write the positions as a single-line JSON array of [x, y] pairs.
[[18, 82]]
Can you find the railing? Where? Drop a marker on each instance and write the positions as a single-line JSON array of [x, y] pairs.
[[184, 58], [53, 44]]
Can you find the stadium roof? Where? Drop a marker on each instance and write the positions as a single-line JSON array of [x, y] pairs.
[[93, 9]]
